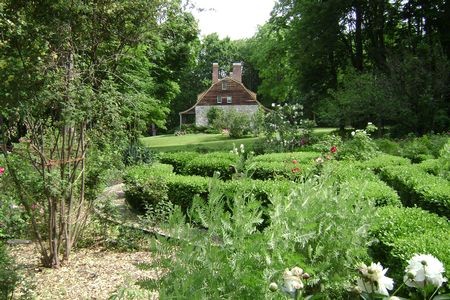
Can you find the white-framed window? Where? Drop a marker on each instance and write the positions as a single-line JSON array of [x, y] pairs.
[[229, 99], [219, 99], [224, 85]]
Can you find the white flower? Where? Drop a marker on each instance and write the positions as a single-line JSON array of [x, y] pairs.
[[242, 148], [296, 271], [373, 279], [273, 104], [424, 269], [291, 282], [353, 133]]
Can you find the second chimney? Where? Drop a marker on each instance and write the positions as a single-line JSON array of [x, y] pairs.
[[237, 72], [215, 73]]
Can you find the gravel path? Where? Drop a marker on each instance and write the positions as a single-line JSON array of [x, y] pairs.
[[91, 273]]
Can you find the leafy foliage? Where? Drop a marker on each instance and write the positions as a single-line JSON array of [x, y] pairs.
[[401, 232]]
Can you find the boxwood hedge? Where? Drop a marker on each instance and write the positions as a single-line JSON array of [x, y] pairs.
[[400, 232], [177, 159], [377, 163], [418, 188]]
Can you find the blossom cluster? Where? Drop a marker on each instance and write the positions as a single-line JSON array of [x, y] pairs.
[[422, 270], [238, 151], [292, 281]]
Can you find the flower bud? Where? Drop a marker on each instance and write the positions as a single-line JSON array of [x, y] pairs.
[[273, 287]]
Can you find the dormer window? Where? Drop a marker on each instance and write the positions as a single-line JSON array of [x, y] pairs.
[[229, 99], [224, 85], [219, 99]]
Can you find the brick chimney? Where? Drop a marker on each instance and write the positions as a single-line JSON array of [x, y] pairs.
[[215, 73], [237, 72]]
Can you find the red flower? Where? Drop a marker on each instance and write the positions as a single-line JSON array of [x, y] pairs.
[[294, 161], [333, 149], [295, 170], [2, 171]]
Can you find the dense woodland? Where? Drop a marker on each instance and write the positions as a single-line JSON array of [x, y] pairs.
[[140, 62]]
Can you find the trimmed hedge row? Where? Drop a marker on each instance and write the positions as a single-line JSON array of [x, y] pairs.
[[208, 164], [193, 163], [371, 187], [268, 170], [432, 166], [416, 187], [146, 185], [377, 163], [377, 192], [401, 232], [301, 157], [178, 159]]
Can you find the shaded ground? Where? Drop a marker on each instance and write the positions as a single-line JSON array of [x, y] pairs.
[[92, 273]]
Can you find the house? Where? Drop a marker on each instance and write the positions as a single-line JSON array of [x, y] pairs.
[[225, 93]]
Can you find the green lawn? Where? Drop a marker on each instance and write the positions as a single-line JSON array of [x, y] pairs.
[[203, 142], [195, 142]]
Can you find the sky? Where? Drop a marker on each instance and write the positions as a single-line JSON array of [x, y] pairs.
[[236, 19]]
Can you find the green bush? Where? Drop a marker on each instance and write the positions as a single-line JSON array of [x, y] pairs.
[[178, 160], [265, 170], [142, 172], [383, 160], [183, 189], [8, 274], [431, 166], [146, 185], [260, 190], [136, 153], [287, 157], [208, 164], [389, 146], [343, 171], [417, 188], [376, 192], [235, 260], [400, 232], [425, 147]]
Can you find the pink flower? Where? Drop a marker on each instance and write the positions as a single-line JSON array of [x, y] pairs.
[[294, 161], [2, 171], [333, 149]]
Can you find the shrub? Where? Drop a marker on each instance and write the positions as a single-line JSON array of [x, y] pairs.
[[213, 114], [8, 274], [389, 146], [237, 123], [261, 191], [425, 147], [233, 259], [416, 187], [287, 157], [400, 232], [265, 170], [345, 171], [432, 166], [207, 164], [183, 189], [146, 185], [361, 146], [178, 160], [376, 163], [136, 153], [376, 192]]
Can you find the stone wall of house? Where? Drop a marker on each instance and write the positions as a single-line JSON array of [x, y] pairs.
[[201, 111]]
